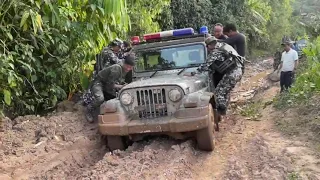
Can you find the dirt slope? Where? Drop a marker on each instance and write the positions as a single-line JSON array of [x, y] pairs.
[[64, 146]]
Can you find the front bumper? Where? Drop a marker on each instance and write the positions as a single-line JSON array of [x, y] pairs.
[[185, 120]]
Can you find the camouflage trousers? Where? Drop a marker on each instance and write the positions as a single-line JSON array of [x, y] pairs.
[[87, 97], [276, 60], [276, 63], [224, 87], [98, 95]]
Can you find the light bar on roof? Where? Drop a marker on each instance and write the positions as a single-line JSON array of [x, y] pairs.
[[204, 30], [171, 33]]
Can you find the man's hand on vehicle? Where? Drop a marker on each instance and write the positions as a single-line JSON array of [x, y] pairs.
[[119, 86]]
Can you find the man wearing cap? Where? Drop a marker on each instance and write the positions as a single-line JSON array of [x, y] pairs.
[[218, 31], [109, 55], [126, 48], [107, 82], [222, 55], [289, 63]]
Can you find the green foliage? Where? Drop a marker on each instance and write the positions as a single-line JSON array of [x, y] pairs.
[[306, 14], [280, 23], [143, 14], [47, 48], [311, 23], [165, 19], [263, 22], [191, 13], [308, 78]]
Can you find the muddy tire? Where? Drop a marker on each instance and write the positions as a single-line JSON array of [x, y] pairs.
[[205, 138], [116, 142]]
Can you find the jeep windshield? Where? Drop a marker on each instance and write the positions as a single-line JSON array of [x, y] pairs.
[[173, 57]]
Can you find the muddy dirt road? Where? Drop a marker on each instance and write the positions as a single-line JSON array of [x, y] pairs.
[[64, 146]]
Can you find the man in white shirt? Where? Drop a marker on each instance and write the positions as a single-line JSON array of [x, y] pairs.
[[289, 63]]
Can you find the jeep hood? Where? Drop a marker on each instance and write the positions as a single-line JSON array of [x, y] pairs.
[[188, 83]]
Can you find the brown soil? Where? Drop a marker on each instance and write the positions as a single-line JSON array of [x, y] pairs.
[[64, 146]]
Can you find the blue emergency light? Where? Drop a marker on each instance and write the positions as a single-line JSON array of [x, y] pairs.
[[204, 30], [183, 32], [170, 33]]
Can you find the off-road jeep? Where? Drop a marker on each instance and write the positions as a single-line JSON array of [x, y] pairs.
[[168, 95]]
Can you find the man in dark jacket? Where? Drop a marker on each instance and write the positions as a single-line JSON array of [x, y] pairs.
[[235, 39], [127, 50], [107, 82]]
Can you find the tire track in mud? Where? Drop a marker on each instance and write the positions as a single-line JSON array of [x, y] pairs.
[[65, 146], [165, 159]]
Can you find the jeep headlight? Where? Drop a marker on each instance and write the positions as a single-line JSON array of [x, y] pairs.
[[126, 99], [175, 95]]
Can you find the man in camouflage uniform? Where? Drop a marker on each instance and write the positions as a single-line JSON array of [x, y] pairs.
[[277, 59], [225, 60], [112, 54], [106, 83], [109, 55]]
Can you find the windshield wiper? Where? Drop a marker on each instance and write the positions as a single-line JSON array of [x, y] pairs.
[[189, 66], [195, 64], [154, 73], [182, 70]]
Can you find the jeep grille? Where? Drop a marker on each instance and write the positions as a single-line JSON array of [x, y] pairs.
[[152, 103]]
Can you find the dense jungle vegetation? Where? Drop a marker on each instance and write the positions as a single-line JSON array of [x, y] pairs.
[[47, 47], [307, 81]]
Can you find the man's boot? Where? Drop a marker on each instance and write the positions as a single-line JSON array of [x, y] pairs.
[[89, 114], [222, 111]]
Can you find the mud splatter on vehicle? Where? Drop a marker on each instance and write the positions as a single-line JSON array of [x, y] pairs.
[[168, 95]]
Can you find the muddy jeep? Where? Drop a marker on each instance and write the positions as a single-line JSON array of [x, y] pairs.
[[167, 95]]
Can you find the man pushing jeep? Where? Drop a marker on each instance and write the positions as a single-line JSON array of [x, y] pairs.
[[224, 60], [108, 81]]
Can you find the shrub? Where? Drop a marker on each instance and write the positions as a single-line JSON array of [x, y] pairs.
[[47, 48]]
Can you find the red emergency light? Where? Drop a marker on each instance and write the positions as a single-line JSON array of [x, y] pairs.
[[170, 33], [135, 40]]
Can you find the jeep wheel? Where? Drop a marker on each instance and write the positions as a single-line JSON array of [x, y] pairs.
[[205, 137], [116, 142]]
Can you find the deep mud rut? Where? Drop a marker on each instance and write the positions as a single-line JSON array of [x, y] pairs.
[[64, 146]]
